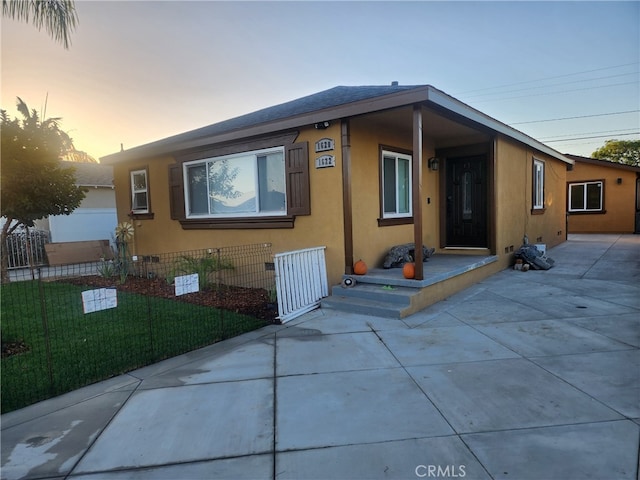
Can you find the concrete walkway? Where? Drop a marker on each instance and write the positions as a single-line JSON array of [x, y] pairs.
[[527, 375]]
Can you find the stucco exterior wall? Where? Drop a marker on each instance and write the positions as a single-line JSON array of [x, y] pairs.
[[514, 184], [324, 227], [371, 241], [619, 200]]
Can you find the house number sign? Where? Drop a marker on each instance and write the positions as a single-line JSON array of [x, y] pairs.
[[325, 144], [325, 161]]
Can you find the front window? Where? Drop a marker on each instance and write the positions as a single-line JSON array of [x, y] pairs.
[[586, 196], [241, 185], [139, 192], [396, 185], [538, 184]]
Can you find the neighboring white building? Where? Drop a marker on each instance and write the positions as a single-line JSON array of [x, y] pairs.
[[95, 218]]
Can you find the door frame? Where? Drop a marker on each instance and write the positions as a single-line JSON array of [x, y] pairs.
[[489, 150]]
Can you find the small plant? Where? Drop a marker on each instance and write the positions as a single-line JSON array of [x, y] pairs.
[[203, 266], [107, 268], [273, 295], [124, 233]]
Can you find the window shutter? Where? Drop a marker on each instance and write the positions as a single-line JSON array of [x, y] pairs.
[[297, 172], [176, 192]]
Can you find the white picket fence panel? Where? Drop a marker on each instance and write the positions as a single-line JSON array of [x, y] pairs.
[[301, 281]]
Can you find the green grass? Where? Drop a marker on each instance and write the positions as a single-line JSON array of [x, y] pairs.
[[85, 348]]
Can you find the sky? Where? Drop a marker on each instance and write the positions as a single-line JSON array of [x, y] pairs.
[[565, 73]]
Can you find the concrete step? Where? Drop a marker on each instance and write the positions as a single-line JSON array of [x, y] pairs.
[[381, 293], [363, 306]]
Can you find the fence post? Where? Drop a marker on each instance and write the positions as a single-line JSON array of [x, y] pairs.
[[218, 286], [45, 327]]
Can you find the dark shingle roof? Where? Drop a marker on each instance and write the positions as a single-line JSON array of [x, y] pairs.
[[333, 97]]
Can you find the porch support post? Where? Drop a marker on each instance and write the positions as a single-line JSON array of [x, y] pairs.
[[417, 190], [345, 141]]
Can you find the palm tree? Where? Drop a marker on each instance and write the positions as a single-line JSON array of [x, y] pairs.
[[57, 16]]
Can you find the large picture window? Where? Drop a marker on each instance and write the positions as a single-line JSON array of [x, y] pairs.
[[538, 184], [139, 192], [242, 185], [396, 185], [586, 196]]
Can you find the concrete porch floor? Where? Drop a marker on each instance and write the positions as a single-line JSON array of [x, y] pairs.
[[525, 375], [438, 268]]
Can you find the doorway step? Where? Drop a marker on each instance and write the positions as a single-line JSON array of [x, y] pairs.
[[386, 293]]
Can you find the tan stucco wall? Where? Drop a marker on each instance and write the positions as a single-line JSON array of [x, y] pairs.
[[619, 200], [324, 227], [371, 242], [514, 183]]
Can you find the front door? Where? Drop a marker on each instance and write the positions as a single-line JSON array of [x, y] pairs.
[[466, 201]]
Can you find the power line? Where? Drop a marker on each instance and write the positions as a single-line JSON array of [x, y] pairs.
[[555, 84], [573, 118], [592, 133], [587, 138], [554, 93], [547, 78]]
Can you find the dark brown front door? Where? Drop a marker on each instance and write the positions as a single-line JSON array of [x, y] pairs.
[[466, 201]]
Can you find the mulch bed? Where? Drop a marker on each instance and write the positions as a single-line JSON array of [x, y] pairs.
[[13, 348], [249, 301]]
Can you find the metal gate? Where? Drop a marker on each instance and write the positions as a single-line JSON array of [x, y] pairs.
[[301, 281]]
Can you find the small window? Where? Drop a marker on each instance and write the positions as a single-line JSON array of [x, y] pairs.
[[139, 192], [243, 185], [586, 196], [538, 184], [396, 185]]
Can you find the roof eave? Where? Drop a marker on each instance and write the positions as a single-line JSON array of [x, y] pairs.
[[447, 102], [393, 100]]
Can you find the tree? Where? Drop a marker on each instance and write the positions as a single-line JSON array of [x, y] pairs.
[[620, 151], [57, 16], [33, 182]]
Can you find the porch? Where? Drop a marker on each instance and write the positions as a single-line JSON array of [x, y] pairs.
[[385, 292]]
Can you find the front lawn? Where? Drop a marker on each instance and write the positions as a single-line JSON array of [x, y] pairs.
[[51, 347]]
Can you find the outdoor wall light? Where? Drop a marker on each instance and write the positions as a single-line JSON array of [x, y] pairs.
[[619, 181], [322, 125], [433, 163]]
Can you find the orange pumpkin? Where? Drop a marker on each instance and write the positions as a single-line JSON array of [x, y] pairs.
[[359, 268], [409, 270]]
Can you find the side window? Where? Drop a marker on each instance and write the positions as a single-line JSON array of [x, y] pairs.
[[586, 196], [538, 185], [139, 192], [396, 185]]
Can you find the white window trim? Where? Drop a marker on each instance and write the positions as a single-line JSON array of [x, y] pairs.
[[135, 191], [254, 153], [397, 155], [585, 209], [538, 185]]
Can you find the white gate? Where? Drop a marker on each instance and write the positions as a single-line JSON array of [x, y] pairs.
[[301, 281]]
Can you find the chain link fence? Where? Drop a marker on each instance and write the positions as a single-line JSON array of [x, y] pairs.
[[69, 326]]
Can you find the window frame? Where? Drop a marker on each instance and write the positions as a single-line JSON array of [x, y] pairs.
[[395, 218], [538, 205], [585, 210], [238, 215], [139, 212]]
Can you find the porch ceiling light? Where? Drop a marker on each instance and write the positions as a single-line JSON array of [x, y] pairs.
[[433, 163]]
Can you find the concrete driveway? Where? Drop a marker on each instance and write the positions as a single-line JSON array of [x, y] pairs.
[[527, 375]]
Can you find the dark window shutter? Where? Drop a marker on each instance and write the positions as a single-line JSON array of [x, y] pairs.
[[176, 192], [297, 172]]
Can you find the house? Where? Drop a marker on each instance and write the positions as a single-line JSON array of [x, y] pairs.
[[602, 197], [357, 169], [96, 217]]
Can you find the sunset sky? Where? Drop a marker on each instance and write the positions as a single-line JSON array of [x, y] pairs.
[[140, 71]]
